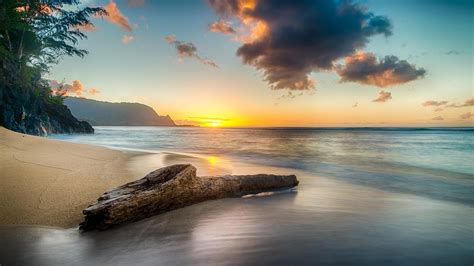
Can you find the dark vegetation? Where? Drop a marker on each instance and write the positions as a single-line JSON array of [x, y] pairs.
[[35, 34]]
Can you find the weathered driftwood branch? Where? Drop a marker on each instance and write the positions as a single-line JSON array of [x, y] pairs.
[[171, 188]]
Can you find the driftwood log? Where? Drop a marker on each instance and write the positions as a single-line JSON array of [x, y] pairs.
[[170, 188]]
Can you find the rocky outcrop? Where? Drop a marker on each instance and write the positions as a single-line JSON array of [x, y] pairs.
[[23, 111], [171, 188], [100, 113]]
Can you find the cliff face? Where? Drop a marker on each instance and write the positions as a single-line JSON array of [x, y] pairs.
[[22, 111], [100, 113]]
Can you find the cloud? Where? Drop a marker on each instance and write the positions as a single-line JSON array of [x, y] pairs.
[[209, 118], [452, 52], [203, 121], [116, 17], [94, 91], [438, 104], [136, 3], [355, 105], [366, 69], [188, 50], [287, 40], [438, 118], [186, 122], [221, 26], [170, 38], [434, 103], [466, 115], [87, 27], [127, 38], [468, 102], [67, 89], [383, 97]]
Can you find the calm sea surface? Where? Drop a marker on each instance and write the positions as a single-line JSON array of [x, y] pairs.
[[436, 163], [366, 196]]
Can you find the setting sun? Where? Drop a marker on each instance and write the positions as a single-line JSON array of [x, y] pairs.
[[240, 132], [214, 123]]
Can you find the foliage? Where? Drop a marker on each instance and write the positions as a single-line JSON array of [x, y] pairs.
[[34, 34]]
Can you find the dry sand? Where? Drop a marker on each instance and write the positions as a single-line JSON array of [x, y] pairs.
[[49, 182]]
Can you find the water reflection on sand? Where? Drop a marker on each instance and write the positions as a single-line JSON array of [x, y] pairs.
[[322, 221]]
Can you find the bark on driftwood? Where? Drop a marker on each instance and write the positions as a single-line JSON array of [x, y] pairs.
[[171, 188]]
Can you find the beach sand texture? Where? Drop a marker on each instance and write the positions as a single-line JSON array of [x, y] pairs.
[[50, 182]]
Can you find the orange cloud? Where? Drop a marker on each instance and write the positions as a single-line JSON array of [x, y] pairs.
[[94, 91], [87, 27], [40, 8], [116, 17], [66, 89], [383, 97], [127, 38], [221, 26]]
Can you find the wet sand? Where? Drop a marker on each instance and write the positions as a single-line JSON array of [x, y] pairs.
[[322, 221], [49, 182]]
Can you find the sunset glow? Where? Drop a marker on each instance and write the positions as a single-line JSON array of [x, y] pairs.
[[236, 132], [243, 81]]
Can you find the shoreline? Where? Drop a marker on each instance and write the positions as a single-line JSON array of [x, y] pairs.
[[49, 182]]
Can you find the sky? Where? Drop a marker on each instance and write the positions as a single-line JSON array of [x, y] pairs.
[[282, 63]]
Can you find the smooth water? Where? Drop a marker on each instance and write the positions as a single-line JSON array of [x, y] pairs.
[[366, 197], [436, 163]]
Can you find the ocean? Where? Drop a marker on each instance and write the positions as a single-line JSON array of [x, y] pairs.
[[367, 196], [431, 162]]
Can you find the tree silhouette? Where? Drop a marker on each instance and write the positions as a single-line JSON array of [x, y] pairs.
[[34, 34]]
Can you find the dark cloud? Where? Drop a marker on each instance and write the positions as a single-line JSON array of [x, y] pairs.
[[187, 49], [383, 97], [366, 69], [355, 105], [221, 26], [434, 103], [289, 39], [438, 118]]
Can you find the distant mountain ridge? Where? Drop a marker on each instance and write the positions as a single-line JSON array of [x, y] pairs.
[[99, 113]]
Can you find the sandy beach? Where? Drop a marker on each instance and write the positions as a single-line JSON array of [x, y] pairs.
[[49, 182], [335, 208]]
